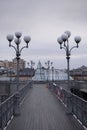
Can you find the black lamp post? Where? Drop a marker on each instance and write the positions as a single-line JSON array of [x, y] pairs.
[[31, 64], [64, 44], [52, 73], [18, 50], [48, 64]]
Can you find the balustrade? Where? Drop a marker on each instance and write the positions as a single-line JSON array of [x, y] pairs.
[[9, 108], [74, 104]]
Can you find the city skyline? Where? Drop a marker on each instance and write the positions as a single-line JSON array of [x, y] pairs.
[[44, 21]]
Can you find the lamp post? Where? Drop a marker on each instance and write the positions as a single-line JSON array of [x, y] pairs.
[[52, 73], [18, 50], [31, 64], [64, 44], [56, 75], [48, 64]]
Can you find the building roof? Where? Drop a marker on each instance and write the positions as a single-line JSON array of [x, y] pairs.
[[27, 72], [79, 71]]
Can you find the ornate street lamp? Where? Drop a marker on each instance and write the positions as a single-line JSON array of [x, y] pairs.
[[52, 73], [18, 50], [48, 64], [64, 44], [31, 64]]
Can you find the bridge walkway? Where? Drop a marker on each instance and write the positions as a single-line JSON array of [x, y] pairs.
[[40, 110]]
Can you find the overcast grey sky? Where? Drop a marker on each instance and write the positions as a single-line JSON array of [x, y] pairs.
[[44, 21]]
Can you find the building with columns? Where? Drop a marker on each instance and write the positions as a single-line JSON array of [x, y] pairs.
[[39, 73], [43, 74]]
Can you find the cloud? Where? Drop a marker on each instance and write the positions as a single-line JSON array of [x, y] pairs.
[[44, 21]]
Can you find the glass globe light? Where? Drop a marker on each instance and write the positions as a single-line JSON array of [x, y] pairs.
[[27, 39], [68, 33], [17, 41], [59, 40], [18, 34], [10, 37], [64, 37], [77, 39]]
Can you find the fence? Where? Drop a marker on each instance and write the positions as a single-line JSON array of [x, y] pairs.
[[74, 104], [9, 108]]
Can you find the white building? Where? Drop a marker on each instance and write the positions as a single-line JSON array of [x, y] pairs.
[[43, 74], [39, 73]]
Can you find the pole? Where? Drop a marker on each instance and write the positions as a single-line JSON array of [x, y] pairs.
[[69, 104], [68, 69], [18, 58], [52, 73], [17, 74], [47, 74], [68, 66], [18, 52]]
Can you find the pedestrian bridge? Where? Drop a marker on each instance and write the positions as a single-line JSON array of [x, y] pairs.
[[40, 109]]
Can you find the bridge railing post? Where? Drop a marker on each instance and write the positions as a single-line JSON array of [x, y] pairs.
[[69, 103], [16, 110]]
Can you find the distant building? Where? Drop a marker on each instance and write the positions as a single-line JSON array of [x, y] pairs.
[[12, 64], [39, 73], [26, 74], [9, 68], [61, 75], [1, 63], [79, 73], [8, 64], [21, 64], [43, 74]]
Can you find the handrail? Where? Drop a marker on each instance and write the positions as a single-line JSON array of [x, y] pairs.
[[74, 104], [7, 99], [8, 107]]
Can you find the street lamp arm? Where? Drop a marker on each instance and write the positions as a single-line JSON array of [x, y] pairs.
[[22, 48], [13, 47], [65, 48], [65, 44], [73, 48]]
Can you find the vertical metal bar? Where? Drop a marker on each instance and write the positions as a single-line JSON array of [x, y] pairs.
[[68, 69], [1, 117], [17, 74], [52, 73], [6, 112], [10, 108]]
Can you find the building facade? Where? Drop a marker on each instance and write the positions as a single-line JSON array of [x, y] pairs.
[[44, 74], [12, 64], [1, 63], [39, 73], [79, 73], [21, 64]]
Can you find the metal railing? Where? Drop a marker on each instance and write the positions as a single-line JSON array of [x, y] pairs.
[[25, 89], [74, 104], [9, 106], [6, 111]]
